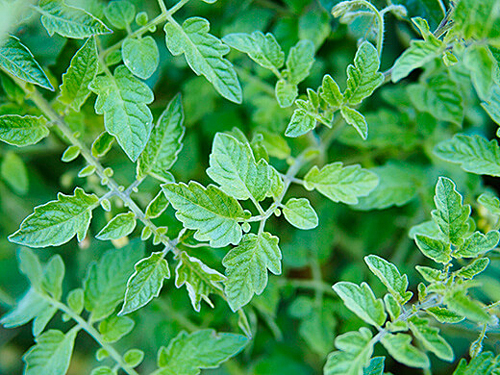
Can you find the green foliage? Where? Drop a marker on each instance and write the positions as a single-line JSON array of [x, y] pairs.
[[203, 217]]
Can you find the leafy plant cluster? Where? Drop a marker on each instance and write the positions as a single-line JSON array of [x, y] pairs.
[[226, 171]]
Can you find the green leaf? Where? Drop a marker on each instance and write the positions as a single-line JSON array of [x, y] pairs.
[[68, 21], [483, 69], [459, 303], [22, 130], [301, 123], [490, 202], [435, 249], [478, 20], [389, 275], [363, 77], [400, 348], [51, 354], [122, 99], [186, 354], [146, 282], [299, 62], [164, 144], [120, 13], [81, 72], [204, 54], [376, 366], [430, 338], [133, 357], [361, 301], [356, 120], [57, 222], [356, 348], [474, 154], [233, 167], [483, 364], [330, 92], [476, 244], [263, 49], [246, 267], [420, 53], [75, 300], [113, 328], [473, 269], [338, 183], [29, 307], [106, 279], [444, 315], [439, 96], [300, 213], [141, 56], [53, 276], [157, 206], [429, 274], [286, 93], [17, 59], [200, 280], [119, 226], [102, 144], [213, 214], [14, 173], [451, 215], [492, 104]]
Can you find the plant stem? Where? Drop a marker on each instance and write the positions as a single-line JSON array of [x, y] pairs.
[[87, 327]]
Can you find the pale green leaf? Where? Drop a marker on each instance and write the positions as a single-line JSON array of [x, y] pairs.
[[22, 130], [301, 123], [363, 77], [483, 364], [492, 104], [133, 357], [483, 69], [51, 354], [417, 55], [75, 300], [68, 21], [300, 213], [53, 276], [473, 269], [429, 274], [474, 154], [478, 20], [157, 206], [164, 144], [356, 120], [299, 62], [376, 366], [459, 303], [246, 267], [444, 315], [476, 244], [102, 144], [57, 222], [400, 348], [141, 56], [430, 338], [451, 215], [330, 92], [30, 265], [285, 93], [275, 144], [81, 72], [29, 307], [355, 350], [187, 353], [389, 275], [200, 280], [233, 167], [204, 54], [361, 301], [263, 49], [439, 96], [212, 213], [146, 282], [17, 59], [113, 328], [119, 226], [120, 13], [490, 202], [338, 183], [392, 306], [106, 280], [14, 173], [435, 249], [122, 99]]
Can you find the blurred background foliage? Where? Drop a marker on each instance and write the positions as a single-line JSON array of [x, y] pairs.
[[293, 331]]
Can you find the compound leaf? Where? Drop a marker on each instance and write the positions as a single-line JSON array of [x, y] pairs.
[[122, 99], [17, 59], [338, 183], [211, 212], [200, 280], [247, 265], [204, 54], [57, 222], [68, 21], [81, 72]]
